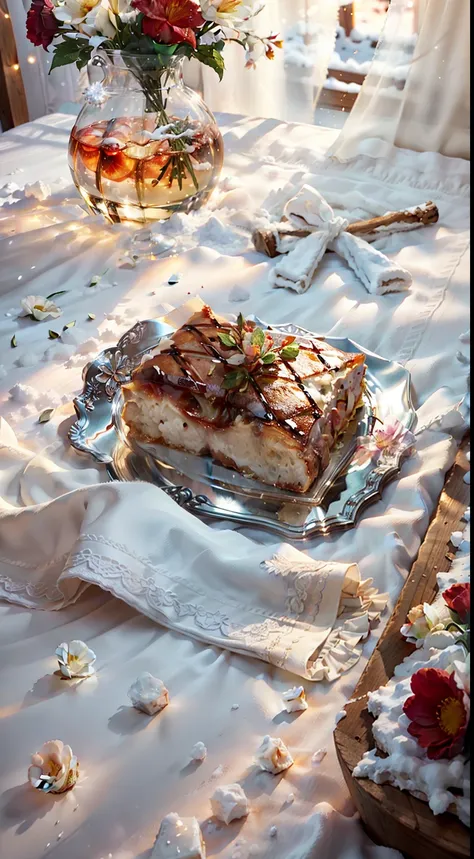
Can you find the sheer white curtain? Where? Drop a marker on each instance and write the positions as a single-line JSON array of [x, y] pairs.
[[430, 111], [45, 93], [280, 88]]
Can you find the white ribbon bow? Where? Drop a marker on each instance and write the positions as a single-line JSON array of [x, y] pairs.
[[295, 270]]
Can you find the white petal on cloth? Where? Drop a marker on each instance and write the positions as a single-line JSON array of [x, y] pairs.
[[295, 270], [270, 602]]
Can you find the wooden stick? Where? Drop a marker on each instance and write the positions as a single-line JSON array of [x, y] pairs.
[[266, 241]]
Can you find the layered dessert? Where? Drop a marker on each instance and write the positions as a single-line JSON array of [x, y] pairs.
[[268, 405]]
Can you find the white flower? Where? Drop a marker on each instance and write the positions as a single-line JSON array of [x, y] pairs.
[[73, 12], [255, 50], [426, 619], [93, 17], [54, 768], [75, 659], [230, 13], [39, 308]]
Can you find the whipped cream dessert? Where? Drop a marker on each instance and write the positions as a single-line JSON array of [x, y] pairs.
[[229, 802], [267, 405], [148, 694], [273, 756], [179, 837]]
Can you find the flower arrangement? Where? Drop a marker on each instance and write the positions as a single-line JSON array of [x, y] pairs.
[[252, 351], [161, 28]]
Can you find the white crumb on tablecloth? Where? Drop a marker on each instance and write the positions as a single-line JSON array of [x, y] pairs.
[[198, 752], [218, 771], [239, 293], [318, 756]]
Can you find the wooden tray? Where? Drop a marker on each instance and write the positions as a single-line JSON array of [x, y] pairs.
[[393, 817]]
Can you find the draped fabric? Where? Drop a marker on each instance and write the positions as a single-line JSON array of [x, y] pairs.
[[430, 111], [278, 89], [45, 93]]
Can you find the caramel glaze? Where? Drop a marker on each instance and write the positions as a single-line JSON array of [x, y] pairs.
[[154, 376]]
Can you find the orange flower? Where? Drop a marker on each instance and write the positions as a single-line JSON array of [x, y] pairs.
[[438, 713]]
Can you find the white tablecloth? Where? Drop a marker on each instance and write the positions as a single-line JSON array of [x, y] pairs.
[[136, 770]]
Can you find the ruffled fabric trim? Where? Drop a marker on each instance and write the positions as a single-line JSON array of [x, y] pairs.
[[360, 607]]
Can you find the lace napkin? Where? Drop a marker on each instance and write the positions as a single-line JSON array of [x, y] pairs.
[[301, 256], [272, 603]]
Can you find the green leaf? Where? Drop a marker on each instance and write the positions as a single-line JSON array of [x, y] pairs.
[[71, 51], [91, 315], [208, 55], [258, 337], [69, 325], [53, 335], [167, 50], [290, 352], [269, 358], [54, 294], [227, 339], [240, 322], [234, 379], [45, 416], [13, 342]]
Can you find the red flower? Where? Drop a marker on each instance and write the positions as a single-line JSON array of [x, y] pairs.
[[458, 599], [437, 713], [170, 21], [41, 25]]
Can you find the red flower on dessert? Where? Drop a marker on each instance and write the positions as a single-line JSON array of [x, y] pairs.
[[458, 599], [41, 25], [170, 21], [437, 713]]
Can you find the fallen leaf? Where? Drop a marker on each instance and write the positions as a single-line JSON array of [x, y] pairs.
[[13, 342], [53, 335], [69, 325], [54, 294], [45, 416]]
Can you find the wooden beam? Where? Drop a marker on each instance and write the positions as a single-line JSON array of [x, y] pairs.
[[346, 17], [393, 817], [13, 105]]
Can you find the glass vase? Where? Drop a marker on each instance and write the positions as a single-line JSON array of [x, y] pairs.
[[144, 145]]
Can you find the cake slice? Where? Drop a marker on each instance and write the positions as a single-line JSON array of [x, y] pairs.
[[267, 405]]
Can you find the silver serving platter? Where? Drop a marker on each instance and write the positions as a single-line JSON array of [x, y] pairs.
[[208, 489]]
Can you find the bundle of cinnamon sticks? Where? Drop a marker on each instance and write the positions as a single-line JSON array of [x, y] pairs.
[[267, 241]]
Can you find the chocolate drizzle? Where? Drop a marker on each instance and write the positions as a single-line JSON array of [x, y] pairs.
[[190, 383]]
